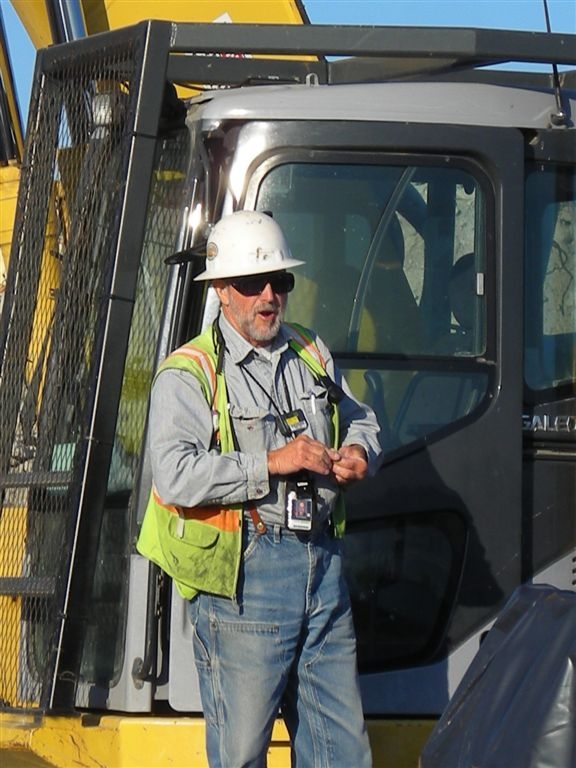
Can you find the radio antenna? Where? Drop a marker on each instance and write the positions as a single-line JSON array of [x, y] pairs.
[[559, 117]]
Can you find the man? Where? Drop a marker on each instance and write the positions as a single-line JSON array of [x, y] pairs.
[[244, 449]]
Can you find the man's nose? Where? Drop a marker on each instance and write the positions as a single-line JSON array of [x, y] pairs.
[[267, 293]]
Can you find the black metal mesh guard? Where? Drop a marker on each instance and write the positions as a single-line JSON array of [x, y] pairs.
[[52, 321]]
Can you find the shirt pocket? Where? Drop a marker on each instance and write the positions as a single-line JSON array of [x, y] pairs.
[[318, 410], [252, 427]]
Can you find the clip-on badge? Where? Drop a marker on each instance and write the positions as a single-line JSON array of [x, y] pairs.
[[300, 502], [292, 423]]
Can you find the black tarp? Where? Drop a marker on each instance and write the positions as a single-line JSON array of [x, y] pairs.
[[516, 705]]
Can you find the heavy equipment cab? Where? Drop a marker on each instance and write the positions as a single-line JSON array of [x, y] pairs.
[[434, 204]]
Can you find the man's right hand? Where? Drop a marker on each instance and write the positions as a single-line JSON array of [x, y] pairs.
[[302, 453]]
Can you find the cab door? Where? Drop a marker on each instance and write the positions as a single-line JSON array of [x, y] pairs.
[[413, 241]]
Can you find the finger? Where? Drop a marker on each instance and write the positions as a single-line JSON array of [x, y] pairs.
[[348, 470]]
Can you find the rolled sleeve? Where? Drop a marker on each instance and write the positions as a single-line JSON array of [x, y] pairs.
[[186, 470]]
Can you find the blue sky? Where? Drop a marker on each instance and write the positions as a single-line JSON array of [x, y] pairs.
[[503, 14]]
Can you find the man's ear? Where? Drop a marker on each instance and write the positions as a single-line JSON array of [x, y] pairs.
[[222, 291]]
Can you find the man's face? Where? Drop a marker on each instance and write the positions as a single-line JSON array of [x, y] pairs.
[[256, 316]]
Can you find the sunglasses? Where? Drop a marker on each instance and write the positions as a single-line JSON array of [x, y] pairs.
[[253, 285]]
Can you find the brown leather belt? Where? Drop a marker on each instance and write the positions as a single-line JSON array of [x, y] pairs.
[[259, 524]]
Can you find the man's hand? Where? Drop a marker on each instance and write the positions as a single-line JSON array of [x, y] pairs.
[[351, 465], [302, 453], [348, 464]]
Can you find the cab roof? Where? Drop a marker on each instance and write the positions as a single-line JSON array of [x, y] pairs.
[[478, 104]]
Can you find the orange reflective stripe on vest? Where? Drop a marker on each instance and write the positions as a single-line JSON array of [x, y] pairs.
[[223, 518], [199, 356]]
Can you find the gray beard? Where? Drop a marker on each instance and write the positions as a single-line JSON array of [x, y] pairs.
[[270, 333]]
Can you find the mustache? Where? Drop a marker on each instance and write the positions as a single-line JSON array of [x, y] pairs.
[[267, 306]]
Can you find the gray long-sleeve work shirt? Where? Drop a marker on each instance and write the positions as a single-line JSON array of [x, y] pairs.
[[262, 383]]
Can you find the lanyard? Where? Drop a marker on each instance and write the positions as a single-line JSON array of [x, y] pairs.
[[291, 422], [220, 345], [268, 395]]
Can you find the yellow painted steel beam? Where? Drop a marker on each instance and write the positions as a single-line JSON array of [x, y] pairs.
[[12, 536], [398, 743], [34, 18], [171, 742], [102, 15], [111, 14], [9, 178]]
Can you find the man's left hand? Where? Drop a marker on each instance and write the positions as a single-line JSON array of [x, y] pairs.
[[351, 465]]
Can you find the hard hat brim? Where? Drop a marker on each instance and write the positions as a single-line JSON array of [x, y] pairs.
[[251, 270]]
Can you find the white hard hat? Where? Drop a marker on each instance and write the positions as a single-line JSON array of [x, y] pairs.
[[246, 243]]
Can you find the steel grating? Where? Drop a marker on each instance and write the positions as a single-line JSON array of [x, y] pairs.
[[52, 325]]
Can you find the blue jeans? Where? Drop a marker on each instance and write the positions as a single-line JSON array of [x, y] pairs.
[[286, 644]]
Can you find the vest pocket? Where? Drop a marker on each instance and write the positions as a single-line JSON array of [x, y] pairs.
[[195, 554], [201, 554], [191, 532], [188, 547]]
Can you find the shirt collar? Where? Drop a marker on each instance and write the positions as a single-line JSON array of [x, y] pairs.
[[239, 349]]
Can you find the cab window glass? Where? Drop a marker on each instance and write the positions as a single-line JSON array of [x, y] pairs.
[[550, 284], [401, 572], [394, 260], [395, 270]]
